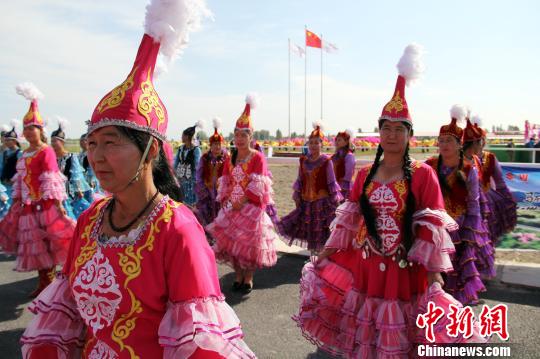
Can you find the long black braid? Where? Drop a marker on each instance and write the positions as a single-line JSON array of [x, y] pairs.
[[410, 203], [367, 211]]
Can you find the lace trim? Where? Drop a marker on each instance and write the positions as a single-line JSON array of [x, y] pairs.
[[119, 122], [124, 240]]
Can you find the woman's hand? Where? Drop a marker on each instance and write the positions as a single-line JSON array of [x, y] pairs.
[[325, 253], [433, 277], [60, 207]]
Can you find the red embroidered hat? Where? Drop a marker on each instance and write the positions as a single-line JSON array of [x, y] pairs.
[[347, 134], [317, 130], [244, 121], [135, 102], [410, 67], [471, 132], [477, 123], [457, 114], [216, 137], [32, 94]]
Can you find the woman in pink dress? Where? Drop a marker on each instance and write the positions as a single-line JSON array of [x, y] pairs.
[[37, 228], [140, 280], [243, 231], [389, 244]]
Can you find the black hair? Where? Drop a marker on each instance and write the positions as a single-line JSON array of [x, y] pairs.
[[161, 170], [410, 204]]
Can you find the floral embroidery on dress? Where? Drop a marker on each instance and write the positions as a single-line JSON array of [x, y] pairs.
[[385, 203], [96, 292], [102, 351], [238, 176]]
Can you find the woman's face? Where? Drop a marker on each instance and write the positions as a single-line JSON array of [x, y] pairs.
[[83, 143], [314, 146], [341, 142], [242, 139], [215, 148], [57, 145], [113, 157], [186, 140], [449, 146], [10, 143], [394, 137], [32, 134]]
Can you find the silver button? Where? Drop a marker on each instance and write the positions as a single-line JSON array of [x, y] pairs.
[[382, 267]]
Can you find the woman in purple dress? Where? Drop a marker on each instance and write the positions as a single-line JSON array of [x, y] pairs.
[[461, 191], [344, 161], [316, 195]]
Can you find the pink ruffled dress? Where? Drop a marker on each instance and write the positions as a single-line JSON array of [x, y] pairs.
[[153, 293], [245, 238], [35, 229], [362, 302]]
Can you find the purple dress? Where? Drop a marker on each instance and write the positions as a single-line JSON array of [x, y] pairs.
[[474, 256], [209, 170], [318, 194], [344, 162], [502, 205], [271, 209]]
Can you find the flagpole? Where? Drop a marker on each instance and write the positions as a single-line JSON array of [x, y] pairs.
[[305, 82], [321, 77], [289, 88]]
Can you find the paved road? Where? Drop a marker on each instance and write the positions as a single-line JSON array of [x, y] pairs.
[[266, 312]]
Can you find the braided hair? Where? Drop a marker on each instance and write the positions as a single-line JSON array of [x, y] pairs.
[[410, 203]]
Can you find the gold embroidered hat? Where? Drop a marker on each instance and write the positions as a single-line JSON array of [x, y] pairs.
[[318, 129], [216, 137], [135, 103], [410, 67], [32, 94], [457, 115], [244, 121]]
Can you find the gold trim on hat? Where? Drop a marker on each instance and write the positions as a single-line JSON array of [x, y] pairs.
[[395, 104], [115, 97], [149, 101]]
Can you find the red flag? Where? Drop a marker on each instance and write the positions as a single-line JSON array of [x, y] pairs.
[[313, 40]]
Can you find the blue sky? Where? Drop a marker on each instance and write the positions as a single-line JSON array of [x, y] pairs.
[[481, 53]]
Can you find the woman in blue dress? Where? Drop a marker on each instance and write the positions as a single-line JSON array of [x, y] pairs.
[[186, 163], [76, 186], [10, 154]]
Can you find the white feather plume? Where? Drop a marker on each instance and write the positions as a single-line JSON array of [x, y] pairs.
[[476, 120], [161, 67], [216, 122], [5, 128], [15, 123], [458, 112], [29, 91], [410, 65], [171, 21], [253, 100], [62, 123], [350, 132], [319, 124], [199, 125]]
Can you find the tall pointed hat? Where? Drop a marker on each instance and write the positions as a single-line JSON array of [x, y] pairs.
[[135, 102], [410, 68], [32, 94], [244, 121]]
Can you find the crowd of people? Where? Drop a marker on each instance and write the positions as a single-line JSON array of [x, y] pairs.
[[125, 236]]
